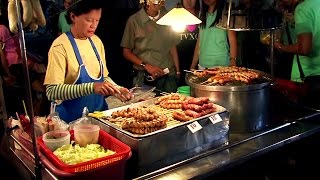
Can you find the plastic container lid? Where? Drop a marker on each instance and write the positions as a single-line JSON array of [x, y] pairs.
[[86, 127], [56, 139]]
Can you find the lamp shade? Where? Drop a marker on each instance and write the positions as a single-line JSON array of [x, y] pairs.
[[178, 17]]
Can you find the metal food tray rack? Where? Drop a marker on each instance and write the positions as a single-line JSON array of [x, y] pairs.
[[172, 144]]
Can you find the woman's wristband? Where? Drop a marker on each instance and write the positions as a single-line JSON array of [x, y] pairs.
[[233, 59], [143, 64], [178, 72]]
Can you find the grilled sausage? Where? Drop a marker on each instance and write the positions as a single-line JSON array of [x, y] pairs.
[[27, 12], [38, 12], [181, 116], [198, 101], [12, 16]]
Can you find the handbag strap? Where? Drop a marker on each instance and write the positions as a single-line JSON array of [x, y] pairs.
[[302, 76]]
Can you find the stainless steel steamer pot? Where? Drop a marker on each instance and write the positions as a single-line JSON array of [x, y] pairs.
[[249, 105]]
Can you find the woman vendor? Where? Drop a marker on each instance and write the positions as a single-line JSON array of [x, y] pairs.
[[77, 75]]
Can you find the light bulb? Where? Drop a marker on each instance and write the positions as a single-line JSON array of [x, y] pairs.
[[178, 27]]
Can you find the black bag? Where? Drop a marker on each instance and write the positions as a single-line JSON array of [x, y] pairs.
[[294, 91], [306, 92]]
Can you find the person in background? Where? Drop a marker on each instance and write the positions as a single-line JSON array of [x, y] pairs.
[[63, 25], [307, 21], [215, 47], [188, 39], [77, 75], [287, 36], [151, 48], [10, 56], [11, 69]]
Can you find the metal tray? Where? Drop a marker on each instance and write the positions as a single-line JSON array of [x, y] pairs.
[[172, 144], [171, 124]]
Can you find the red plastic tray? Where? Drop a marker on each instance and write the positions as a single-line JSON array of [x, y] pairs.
[[122, 150]]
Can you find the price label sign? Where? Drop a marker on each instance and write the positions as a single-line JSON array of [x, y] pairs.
[[215, 119], [194, 127]]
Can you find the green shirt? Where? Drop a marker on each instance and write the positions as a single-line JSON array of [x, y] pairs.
[[307, 19], [63, 25], [214, 47], [149, 41]]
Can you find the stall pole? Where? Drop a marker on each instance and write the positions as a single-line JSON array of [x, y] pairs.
[[272, 53], [229, 13], [27, 83]]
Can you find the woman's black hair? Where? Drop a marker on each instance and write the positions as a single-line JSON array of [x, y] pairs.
[[204, 12], [79, 7], [197, 7]]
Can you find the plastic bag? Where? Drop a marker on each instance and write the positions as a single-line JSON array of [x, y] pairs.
[[58, 123], [85, 119], [50, 123]]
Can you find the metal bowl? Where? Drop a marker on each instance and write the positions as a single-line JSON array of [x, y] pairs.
[[249, 105]]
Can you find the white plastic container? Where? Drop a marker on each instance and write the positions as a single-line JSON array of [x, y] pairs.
[[56, 139], [86, 134]]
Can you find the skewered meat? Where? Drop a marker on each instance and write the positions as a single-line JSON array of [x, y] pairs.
[[198, 101], [181, 116], [223, 75], [137, 113], [171, 101], [196, 107], [144, 130], [172, 96], [144, 127], [166, 105], [192, 113]]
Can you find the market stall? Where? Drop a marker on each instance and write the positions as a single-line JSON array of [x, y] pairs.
[[173, 135]]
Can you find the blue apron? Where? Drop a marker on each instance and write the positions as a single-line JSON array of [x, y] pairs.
[[70, 110]]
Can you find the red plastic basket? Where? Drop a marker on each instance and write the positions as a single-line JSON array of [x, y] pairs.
[[107, 141]]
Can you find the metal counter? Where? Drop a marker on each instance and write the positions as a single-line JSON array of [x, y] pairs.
[[288, 125], [241, 148]]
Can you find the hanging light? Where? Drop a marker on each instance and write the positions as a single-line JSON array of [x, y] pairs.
[[178, 18]]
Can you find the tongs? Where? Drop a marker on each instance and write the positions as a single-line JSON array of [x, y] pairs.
[[188, 71]]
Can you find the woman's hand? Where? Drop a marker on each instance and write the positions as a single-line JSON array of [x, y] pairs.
[[125, 94], [105, 88], [278, 45], [9, 80], [178, 75], [233, 61]]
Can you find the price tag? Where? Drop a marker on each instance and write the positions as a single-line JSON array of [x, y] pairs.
[[194, 127], [215, 119]]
